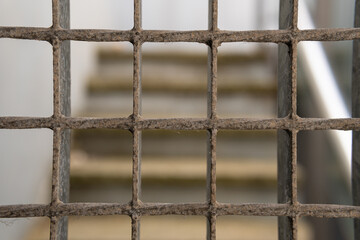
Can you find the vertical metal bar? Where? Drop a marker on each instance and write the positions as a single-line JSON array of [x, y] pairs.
[[213, 15], [287, 145], [355, 168], [212, 80], [285, 224], [212, 61], [288, 18], [211, 184], [136, 184], [136, 170], [55, 14], [137, 15], [211, 114], [61, 138], [136, 173]]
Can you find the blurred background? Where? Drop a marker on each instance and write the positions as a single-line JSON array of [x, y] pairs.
[[174, 84]]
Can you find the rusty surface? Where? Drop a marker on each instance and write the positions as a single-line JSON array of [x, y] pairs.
[[211, 116], [301, 124], [288, 122], [61, 107], [201, 36], [200, 209], [355, 164], [286, 139], [136, 154]]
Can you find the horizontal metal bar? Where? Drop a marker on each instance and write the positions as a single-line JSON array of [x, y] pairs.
[[275, 36], [199, 209], [301, 124]]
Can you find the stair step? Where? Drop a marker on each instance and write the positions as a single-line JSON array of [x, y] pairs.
[[114, 54], [173, 171], [177, 227], [178, 84], [174, 84], [170, 105], [230, 144], [161, 67]]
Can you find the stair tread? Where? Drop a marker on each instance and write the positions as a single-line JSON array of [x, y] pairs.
[[105, 84], [177, 227], [118, 54], [174, 168], [170, 105]]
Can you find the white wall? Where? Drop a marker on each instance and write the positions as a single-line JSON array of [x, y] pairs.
[[25, 90]]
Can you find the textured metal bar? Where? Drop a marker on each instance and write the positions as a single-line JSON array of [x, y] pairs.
[[355, 168], [57, 225], [61, 142], [136, 186], [182, 123], [211, 115], [94, 35], [58, 230], [287, 107], [285, 180], [211, 184], [55, 14], [211, 168], [213, 15], [196, 209], [137, 15], [212, 80], [135, 226], [136, 166]]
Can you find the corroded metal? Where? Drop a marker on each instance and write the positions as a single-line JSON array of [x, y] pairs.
[[288, 122], [136, 154], [196, 209], [286, 148], [182, 123], [61, 107], [92, 35], [355, 164], [211, 116]]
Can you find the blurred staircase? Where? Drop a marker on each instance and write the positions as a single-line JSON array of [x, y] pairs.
[[174, 84]]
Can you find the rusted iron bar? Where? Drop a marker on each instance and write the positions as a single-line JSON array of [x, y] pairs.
[[61, 107], [287, 68], [211, 115], [198, 209], [355, 166], [182, 123], [92, 35], [211, 184], [136, 154]]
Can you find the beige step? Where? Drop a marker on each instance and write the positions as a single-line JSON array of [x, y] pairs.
[[175, 170], [180, 105], [183, 71], [174, 84], [169, 228], [177, 83], [170, 143], [116, 54]]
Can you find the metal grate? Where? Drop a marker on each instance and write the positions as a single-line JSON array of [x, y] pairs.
[[288, 122]]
